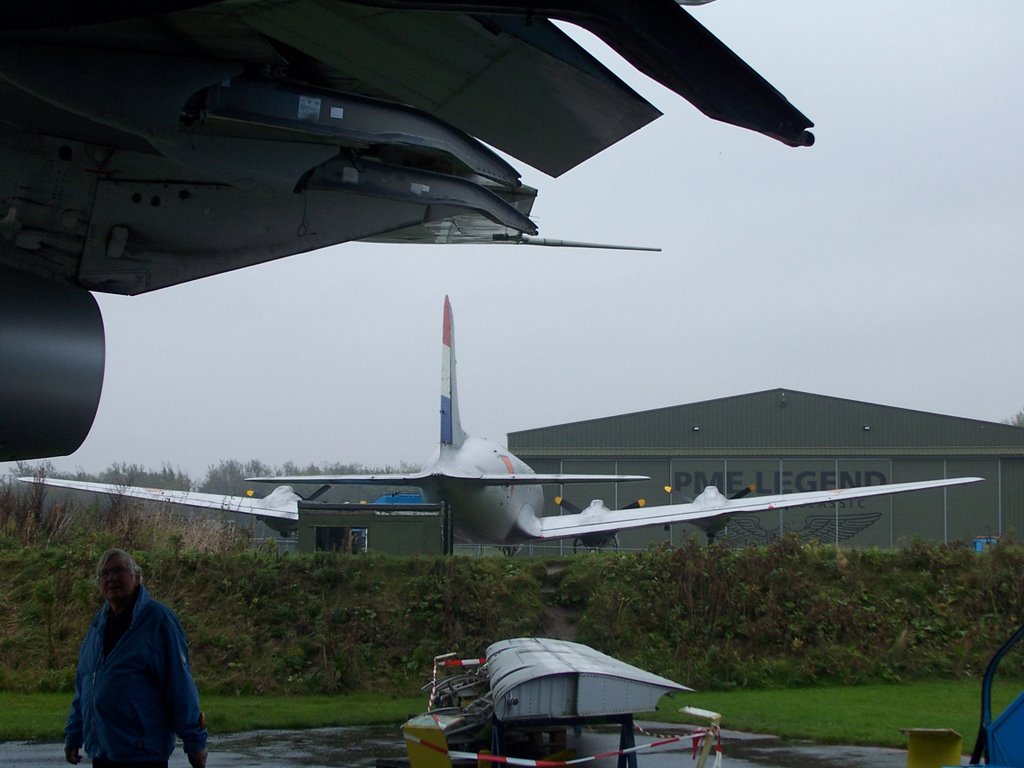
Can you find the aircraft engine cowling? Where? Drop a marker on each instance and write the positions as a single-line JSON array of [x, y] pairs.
[[51, 365]]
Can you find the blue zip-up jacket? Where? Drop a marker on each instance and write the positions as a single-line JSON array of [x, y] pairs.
[[129, 705]]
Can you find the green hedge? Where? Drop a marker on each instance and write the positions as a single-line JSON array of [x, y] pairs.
[[791, 614], [787, 614]]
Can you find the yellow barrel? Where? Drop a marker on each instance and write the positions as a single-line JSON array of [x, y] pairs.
[[933, 747]]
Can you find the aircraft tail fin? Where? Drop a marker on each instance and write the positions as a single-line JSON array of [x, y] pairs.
[[451, 427]]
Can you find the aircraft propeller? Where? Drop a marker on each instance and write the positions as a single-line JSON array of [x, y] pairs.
[[598, 540], [711, 530], [594, 540]]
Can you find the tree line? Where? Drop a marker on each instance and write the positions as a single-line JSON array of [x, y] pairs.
[[226, 477]]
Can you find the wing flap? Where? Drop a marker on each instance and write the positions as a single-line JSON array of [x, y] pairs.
[[518, 84]]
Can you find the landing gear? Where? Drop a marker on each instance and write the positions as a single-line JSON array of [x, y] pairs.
[[594, 542]]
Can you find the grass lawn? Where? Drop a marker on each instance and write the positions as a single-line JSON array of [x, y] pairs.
[[867, 714], [870, 714]]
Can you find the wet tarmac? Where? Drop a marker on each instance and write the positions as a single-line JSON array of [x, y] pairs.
[[360, 747]]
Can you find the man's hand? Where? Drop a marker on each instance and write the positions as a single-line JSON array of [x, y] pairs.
[[197, 759], [74, 756]]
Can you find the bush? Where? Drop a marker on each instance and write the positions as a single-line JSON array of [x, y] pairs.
[[785, 614]]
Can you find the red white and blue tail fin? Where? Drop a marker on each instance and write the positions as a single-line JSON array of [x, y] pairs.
[[451, 428]]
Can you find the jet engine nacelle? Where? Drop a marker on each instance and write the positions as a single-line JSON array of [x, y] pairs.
[[51, 365]]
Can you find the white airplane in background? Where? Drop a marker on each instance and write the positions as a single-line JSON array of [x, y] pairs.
[[493, 496]]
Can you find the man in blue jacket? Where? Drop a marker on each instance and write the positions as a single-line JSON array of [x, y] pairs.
[[133, 690]]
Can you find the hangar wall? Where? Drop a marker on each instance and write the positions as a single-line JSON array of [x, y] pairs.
[[356, 528], [788, 441]]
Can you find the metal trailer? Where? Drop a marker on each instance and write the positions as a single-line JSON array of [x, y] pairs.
[[524, 696]]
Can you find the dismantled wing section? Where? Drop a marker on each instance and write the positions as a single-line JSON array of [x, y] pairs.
[[280, 505], [711, 503], [541, 679]]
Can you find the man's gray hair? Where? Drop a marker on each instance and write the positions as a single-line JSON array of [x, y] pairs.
[[128, 560]]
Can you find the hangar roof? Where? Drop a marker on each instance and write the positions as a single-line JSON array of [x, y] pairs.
[[776, 421]]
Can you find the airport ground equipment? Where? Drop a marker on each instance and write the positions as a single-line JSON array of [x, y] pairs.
[[518, 702], [1000, 741]]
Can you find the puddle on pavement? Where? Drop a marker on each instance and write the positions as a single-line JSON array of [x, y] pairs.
[[349, 747], [359, 747], [779, 754]]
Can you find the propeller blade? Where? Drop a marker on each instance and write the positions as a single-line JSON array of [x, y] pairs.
[[744, 492]]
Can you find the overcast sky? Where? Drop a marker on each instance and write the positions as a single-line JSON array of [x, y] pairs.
[[882, 264]]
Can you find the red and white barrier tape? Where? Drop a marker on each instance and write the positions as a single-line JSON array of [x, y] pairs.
[[505, 760], [698, 739], [718, 751], [698, 736]]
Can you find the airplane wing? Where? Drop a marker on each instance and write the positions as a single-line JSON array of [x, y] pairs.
[[502, 72], [280, 504], [711, 503]]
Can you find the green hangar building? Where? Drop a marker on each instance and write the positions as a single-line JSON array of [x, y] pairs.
[[784, 441]]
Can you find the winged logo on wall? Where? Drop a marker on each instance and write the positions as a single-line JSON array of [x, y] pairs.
[[749, 530]]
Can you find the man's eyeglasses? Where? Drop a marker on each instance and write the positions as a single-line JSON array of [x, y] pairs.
[[116, 571]]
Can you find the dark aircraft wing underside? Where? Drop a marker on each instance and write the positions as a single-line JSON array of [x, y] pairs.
[[524, 88], [149, 150], [500, 71], [147, 144]]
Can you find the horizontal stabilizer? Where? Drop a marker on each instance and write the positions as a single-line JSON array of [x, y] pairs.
[[419, 478], [711, 503], [416, 478], [528, 478]]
